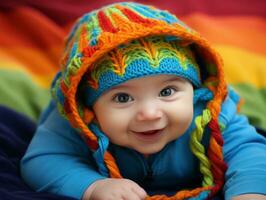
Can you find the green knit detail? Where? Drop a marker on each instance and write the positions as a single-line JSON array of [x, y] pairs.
[[222, 126], [101, 68], [112, 10], [92, 28], [199, 150], [152, 49], [108, 13], [73, 67], [190, 57]]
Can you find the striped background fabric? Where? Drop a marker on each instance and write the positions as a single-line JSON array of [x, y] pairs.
[[32, 37]]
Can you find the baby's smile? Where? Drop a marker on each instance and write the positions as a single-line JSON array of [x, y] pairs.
[[150, 135]]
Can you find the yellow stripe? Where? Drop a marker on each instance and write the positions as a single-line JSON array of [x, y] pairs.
[[31, 62], [243, 66]]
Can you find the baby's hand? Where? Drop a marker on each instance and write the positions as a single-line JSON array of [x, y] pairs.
[[114, 189]]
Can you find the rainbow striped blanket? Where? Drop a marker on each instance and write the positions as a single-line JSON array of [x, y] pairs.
[[31, 41], [32, 36]]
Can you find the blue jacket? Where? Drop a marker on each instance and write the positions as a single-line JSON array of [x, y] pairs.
[[59, 161]]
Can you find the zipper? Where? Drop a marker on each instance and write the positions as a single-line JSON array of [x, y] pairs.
[[149, 173]]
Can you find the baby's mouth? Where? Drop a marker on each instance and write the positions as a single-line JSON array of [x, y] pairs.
[[151, 132], [149, 136]]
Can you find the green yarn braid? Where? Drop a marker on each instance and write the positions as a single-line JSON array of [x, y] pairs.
[[198, 149]]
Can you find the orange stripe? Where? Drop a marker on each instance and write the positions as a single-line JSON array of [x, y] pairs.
[[243, 31], [32, 61]]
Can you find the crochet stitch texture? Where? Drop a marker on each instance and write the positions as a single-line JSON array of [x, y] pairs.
[[99, 32], [143, 57]]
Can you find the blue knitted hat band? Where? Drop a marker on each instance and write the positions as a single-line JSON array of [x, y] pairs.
[[139, 58]]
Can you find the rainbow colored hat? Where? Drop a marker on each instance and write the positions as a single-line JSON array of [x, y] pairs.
[[101, 31]]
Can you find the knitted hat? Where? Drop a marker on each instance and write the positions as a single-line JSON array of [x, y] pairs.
[[102, 31], [142, 57]]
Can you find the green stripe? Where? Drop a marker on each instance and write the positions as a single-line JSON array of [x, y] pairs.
[[19, 92], [254, 103]]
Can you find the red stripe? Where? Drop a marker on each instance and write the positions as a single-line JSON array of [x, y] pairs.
[[105, 23], [67, 107], [63, 12], [216, 132], [63, 87], [92, 144], [89, 50], [132, 16], [218, 166]]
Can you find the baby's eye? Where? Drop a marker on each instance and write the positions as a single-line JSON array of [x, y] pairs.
[[122, 98], [167, 92]]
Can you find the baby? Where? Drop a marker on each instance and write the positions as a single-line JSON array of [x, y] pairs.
[[141, 110]]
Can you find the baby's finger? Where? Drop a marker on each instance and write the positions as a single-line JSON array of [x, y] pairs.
[[140, 192], [131, 196]]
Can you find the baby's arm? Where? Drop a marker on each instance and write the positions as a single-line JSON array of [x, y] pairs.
[[114, 189], [58, 161], [249, 197], [244, 152]]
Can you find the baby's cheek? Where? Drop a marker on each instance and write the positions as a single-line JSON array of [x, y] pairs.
[[187, 119], [182, 119], [115, 130]]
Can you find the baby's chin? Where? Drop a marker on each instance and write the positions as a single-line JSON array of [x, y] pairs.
[[146, 146]]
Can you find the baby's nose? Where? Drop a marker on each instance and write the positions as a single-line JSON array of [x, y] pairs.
[[149, 111]]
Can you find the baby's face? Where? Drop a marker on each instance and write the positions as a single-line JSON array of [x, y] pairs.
[[146, 113]]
